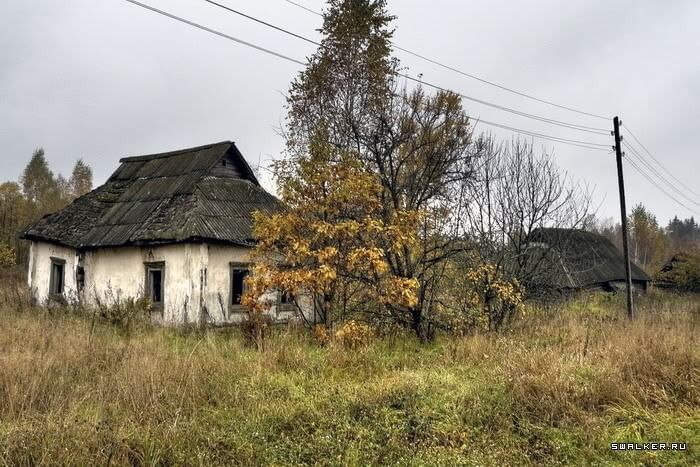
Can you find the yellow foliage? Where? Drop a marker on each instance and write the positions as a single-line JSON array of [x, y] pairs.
[[402, 227], [478, 295], [368, 259], [401, 291], [321, 334], [353, 334], [487, 282], [330, 233], [326, 273], [327, 255]]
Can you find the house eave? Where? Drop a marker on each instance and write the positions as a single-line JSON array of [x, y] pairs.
[[53, 241]]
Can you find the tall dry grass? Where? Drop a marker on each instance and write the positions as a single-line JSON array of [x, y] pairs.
[[556, 389]]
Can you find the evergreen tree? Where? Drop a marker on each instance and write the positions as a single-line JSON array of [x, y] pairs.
[[684, 233], [81, 179], [38, 182]]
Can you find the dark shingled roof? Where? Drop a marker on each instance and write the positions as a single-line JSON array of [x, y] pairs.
[[583, 259], [190, 194]]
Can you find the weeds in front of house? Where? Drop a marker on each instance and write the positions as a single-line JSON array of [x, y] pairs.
[[556, 388]]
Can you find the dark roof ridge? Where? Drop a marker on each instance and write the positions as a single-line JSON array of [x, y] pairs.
[[162, 155]]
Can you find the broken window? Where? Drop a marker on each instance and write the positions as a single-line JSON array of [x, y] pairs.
[[155, 283], [238, 276], [286, 298], [58, 276]]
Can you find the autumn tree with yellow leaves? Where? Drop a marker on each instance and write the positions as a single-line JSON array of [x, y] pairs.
[[330, 236], [371, 177]]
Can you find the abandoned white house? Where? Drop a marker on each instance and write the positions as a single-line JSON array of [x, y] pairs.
[[174, 227]]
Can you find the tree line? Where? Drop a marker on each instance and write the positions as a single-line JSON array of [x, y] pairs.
[[652, 245], [37, 193]]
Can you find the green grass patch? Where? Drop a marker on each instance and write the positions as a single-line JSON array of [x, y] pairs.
[[555, 389]]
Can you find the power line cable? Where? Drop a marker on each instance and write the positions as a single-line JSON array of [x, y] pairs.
[[264, 23], [581, 144], [627, 128], [658, 175], [305, 8], [655, 172], [491, 83], [573, 126], [218, 33], [651, 180], [585, 144], [440, 88], [468, 75]]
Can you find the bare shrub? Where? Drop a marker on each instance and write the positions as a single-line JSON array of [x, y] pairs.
[[124, 313], [255, 329]]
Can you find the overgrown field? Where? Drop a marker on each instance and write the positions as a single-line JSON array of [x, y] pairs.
[[556, 389]]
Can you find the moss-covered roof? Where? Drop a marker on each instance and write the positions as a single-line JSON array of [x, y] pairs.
[[580, 259], [164, 198]]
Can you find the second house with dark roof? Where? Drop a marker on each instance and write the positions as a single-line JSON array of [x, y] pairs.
[[572, 260], [174, 227]]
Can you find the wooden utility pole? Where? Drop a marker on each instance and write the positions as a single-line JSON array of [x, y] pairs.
[[623, 213]]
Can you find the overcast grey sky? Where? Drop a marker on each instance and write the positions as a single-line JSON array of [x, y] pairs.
[[106, 79]]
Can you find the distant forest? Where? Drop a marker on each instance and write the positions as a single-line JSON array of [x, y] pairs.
[[652, 245], [37, 193]]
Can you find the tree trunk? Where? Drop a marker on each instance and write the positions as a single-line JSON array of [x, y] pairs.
[[416, 320], [327, 313], [418, 325], [489, 312]]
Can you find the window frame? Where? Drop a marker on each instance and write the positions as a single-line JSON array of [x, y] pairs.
[[233, 267], [52, 277], [288, 306], [148, 286]]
